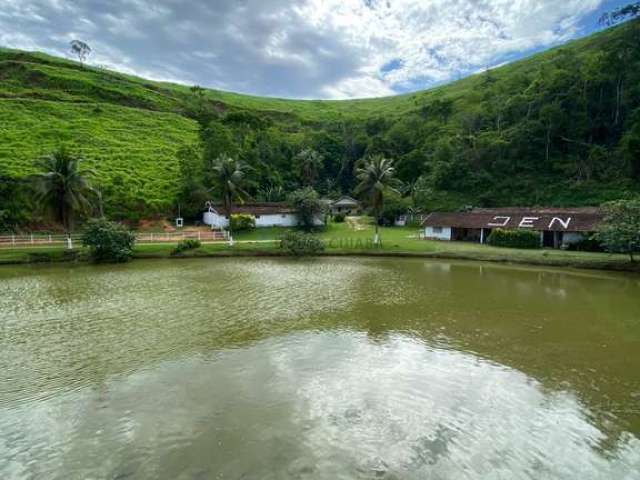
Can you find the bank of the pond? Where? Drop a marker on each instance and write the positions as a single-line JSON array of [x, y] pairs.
[[350, 247]]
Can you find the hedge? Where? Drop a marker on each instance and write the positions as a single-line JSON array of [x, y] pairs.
[[514, 238], [184, 245], [242, 221], [299, 244]]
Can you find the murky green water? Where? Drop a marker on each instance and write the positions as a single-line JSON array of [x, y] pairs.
[[322, 369]]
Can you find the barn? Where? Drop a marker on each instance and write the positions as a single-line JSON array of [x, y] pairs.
[[558, 227]]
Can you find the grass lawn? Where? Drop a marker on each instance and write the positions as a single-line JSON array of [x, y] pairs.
[[350, 239]]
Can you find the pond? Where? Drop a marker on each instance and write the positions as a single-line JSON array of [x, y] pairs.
[[335, 368]]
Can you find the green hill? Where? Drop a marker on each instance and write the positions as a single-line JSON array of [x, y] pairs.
[[561, 127]]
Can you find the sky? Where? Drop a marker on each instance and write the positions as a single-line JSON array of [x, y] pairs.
[[323, 49]]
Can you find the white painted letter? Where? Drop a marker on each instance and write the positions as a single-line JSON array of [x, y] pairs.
[[564, 224], [527, 222], [497, 221]]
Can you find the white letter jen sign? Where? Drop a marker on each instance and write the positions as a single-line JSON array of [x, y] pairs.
[[527, 222], [499, 222], [565, 223]]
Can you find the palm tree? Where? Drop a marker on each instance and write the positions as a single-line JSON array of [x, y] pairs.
[[228, 179], [309, 163], [375, 177], [64, 187]]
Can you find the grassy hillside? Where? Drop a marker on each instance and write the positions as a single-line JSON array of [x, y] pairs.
[[561, 127]]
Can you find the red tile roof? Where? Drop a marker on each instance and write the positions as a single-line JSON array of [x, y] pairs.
[[260, 208], [553, 219]]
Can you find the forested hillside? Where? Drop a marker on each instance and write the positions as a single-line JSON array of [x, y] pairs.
[[560, 128]]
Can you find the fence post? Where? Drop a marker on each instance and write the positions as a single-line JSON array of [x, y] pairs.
[[198, 235], [151, 237], [13, 239], [49, 238], [32, 239]]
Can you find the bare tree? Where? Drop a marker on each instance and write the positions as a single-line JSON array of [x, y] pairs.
[[80, 49]]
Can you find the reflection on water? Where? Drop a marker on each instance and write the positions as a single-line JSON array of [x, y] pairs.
[[335, 368]]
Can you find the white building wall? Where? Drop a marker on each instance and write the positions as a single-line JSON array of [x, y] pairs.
[[571, 237], [215, 220], [277, 220], [271, 220], [443, 234]]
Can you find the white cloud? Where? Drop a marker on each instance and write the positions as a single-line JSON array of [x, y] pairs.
[[363, 86], [439, 38], [305, 49]]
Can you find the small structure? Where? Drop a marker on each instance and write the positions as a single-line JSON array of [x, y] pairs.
[[345, 206], [558, 227], [179, 222], [272, 214], [400, 221]]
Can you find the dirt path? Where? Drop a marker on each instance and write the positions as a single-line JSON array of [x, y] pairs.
[[357, 223]]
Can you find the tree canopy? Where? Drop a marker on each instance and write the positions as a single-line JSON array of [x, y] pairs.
[[63, 186]]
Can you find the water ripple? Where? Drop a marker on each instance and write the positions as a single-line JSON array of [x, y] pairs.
[[331, 368]]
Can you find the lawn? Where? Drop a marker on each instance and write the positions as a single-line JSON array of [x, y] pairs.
[[345, 239]]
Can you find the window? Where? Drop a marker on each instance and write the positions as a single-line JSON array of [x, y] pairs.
[[437, 229]]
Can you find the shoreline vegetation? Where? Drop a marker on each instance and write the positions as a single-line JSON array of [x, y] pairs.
[[340, 240]]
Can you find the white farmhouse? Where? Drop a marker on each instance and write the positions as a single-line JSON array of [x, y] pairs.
[[345, 206], [266, 214]]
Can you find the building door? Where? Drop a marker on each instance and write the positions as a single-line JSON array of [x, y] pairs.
[[548, 239]]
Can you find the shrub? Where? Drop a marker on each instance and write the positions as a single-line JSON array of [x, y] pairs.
[[586, 245], [242, 221], [40, 257], [299, 244], [339, 218], [108, 242], [514, 238], [184, 245], [58, 256]]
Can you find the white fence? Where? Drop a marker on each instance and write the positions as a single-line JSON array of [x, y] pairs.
[[43, 239]]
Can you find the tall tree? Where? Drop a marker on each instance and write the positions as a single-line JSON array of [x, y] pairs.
[[308, 207], [620, 231], [80, 49], [192, 194], [308, 164], [229, 177], [63, 186], [375, 177]]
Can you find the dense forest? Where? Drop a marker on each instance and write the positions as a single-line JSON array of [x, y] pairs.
[[561, 128]]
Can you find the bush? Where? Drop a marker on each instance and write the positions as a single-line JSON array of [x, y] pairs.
[[242, 221], [108, 242], [586, 245], [514, 238], [184, 245], [299, 244], [58, 256], [339, 218]]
